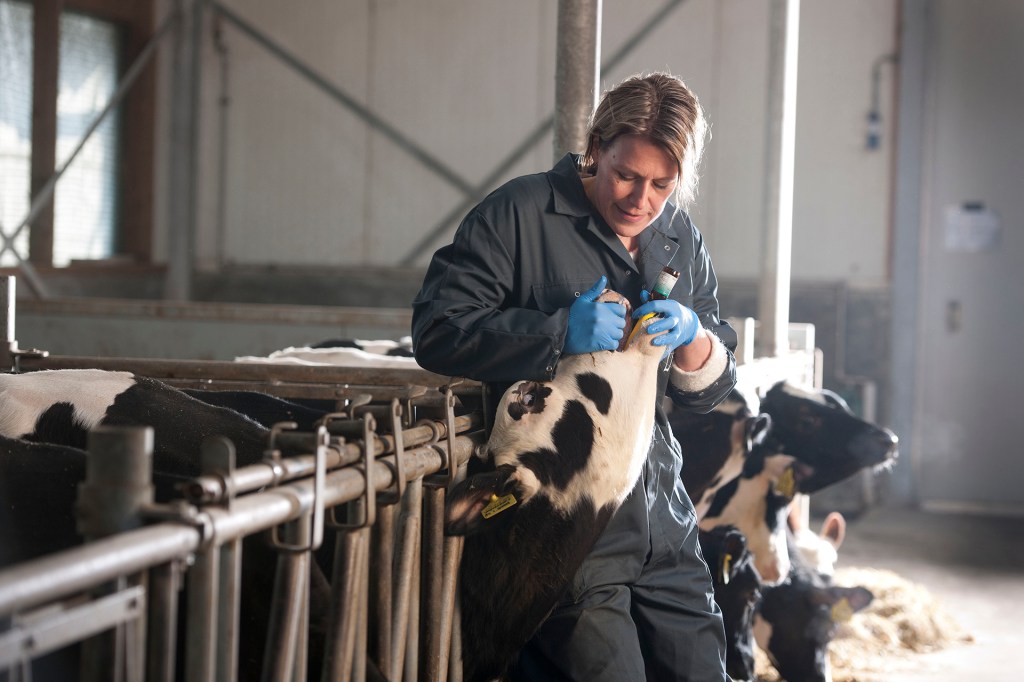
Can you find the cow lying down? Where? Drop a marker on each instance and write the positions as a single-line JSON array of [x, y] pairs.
[[564, 455]]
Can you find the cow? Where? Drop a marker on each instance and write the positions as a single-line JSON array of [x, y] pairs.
[[821, 432], [737, 586], [715, 445], [756, 504], [46, 416], [60, 406], [813, 441], [561, 457], [796, 620]]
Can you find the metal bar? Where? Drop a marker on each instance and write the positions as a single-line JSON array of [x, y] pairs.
[[577, 72], [230, 591], [183, 152], [200, 369], [340, 641], [433, 661], [201, 616], [361, 598], [773, 299], [49, 633], [163, 622], [381, 584], [206, 489], [406, 574], [283, 633], [73, 570], [400, 139]]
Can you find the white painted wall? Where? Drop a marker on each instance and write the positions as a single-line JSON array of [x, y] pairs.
[[306, 182]]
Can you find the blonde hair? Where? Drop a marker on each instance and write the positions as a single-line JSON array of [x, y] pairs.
[[660, 107]]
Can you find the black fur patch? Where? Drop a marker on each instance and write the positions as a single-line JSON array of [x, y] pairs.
[[597, 388], [573, 437], [528, 399], [58, 425]]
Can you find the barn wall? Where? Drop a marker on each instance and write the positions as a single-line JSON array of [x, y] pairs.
[[287, 176]]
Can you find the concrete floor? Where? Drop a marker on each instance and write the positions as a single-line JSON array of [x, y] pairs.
[[974, 568]]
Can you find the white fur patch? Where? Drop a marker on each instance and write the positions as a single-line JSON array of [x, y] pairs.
[[746, 510], [621, 438], [24, 397]]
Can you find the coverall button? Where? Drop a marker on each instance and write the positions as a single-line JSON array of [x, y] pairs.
[[576, 294], [666, 247]]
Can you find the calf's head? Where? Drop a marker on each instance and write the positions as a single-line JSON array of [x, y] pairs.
[[820, 431]]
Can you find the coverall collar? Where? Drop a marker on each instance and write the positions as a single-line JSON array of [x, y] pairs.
[[657, 247]]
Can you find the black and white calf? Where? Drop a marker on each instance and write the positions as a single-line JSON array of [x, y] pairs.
[[819, 430], [61, 406], [715, 445], [563, 454], [796, 620], [737, 587], [756, 504]]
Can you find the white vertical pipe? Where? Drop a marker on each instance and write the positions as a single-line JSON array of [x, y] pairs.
[[773, 303]]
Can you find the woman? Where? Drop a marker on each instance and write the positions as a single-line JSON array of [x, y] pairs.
[[516, 289]]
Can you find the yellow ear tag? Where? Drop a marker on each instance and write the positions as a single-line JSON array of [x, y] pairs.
[[498, 505], [726, 568], [637, 327], [841, 611], [786, 485]]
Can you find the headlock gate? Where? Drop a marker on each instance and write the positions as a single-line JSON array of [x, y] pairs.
[[358, 502]]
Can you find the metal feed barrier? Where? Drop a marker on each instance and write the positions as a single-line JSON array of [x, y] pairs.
[[393, 577], [372, 477]]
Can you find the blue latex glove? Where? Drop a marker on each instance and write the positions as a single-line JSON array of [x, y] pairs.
[[594, 326], [681, 322]]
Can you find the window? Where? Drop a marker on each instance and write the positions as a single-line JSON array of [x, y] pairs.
[[86, 198]]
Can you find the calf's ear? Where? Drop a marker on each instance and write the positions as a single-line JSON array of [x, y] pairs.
[[477, 499]]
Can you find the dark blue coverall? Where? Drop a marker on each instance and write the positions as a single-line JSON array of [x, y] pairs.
[[494, 307]]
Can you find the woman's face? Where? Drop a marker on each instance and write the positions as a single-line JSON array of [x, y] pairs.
[[634, 179]]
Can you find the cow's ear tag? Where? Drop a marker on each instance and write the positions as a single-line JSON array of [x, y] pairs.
[[841, 611], [726, 568], [786, 485], [498, 505]]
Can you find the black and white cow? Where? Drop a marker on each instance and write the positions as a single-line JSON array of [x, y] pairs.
[[820, 431], [61, 406], [45, 418], [563, 454], [715, 445], [796, 620], [754, 503], [737, 586], [814, 441]]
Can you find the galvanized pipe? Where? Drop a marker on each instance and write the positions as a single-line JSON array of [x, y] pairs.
[[406, 574], [344, 612], [230, 590], [434, 660], [58, 575], [163, 622], [381, 587], [201, 617], [208, 489], [577, 72], [117, 486], [279, 656]]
